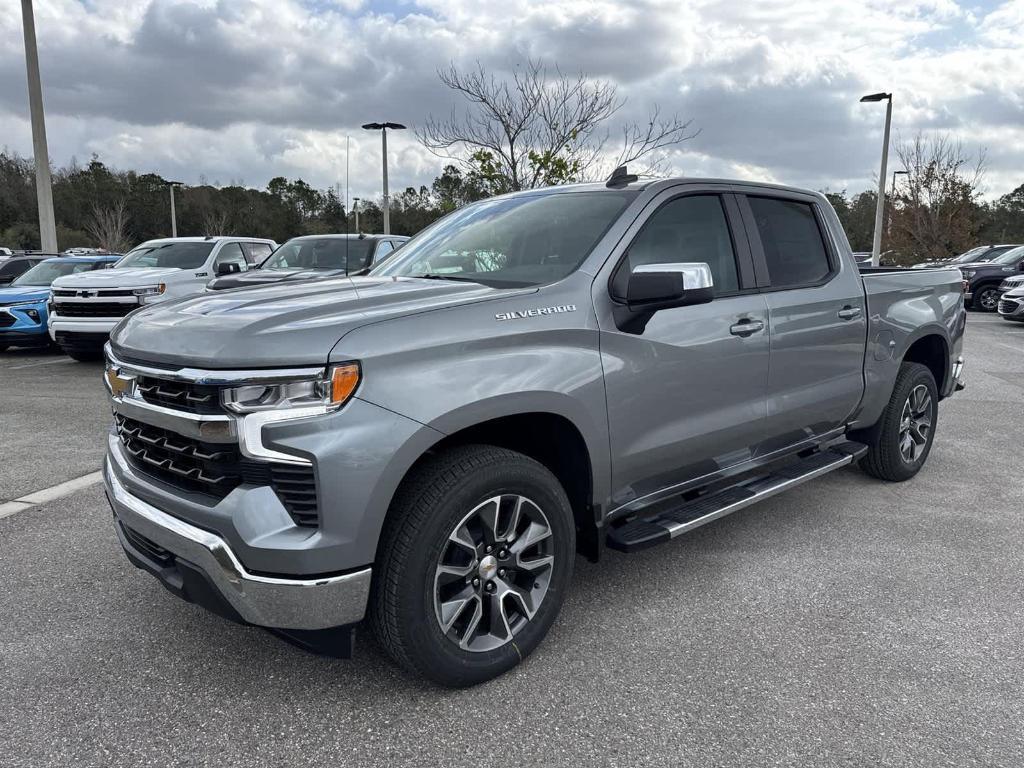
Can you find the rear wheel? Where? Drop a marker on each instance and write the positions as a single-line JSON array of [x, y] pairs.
[[899, 444], [475, 559], [986, 299]]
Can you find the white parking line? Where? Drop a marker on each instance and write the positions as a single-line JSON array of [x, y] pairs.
[[49, 494], [44, 362]]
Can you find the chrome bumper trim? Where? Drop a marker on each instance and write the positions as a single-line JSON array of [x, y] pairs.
[[267, 601]]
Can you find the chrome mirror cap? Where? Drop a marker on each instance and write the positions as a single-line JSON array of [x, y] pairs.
[[696, 274]]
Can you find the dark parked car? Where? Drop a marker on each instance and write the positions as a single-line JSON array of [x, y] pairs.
[[984, 277], [981, 253], [14, 266], [310, 256]]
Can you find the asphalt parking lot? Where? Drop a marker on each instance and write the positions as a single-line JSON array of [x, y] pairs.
[[848, 622]]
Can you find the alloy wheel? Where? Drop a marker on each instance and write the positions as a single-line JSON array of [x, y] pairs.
[[493, 572], [988, 299], [915, 424]]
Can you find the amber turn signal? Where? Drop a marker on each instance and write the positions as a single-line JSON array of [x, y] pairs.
[[344, 380]]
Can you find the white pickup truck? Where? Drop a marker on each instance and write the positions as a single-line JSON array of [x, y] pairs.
[[85, 307]]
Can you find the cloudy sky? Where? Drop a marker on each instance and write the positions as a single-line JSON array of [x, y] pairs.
[[244, 90]]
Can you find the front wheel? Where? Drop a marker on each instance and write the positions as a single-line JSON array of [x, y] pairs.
[[900, 442], [474, 563], [986, 299]]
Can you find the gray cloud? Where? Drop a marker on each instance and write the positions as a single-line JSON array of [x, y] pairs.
[[249, 89]]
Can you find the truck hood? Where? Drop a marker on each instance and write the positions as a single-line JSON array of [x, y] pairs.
[[284, 324], [267, 276], [120, 278], [16, 293]]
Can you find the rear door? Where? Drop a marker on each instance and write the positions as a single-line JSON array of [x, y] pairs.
[[817, 316], [686, 394]]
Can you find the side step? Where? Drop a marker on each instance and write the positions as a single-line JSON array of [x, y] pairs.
[[645, 532]]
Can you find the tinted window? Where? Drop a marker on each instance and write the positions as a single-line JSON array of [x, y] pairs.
[[321, 253], [687, 229], [180, 255], [12, 268], [256, 252], [46, 272], [793, 247], [1007, 257], [511, 242], [230, 253], [384, 247]]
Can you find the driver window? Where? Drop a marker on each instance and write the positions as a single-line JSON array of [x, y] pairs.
[[230, 253], [688, 229]]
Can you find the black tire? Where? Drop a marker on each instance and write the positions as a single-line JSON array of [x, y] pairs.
[[83, 355], [430, 505], [985, 299], [885, 459]]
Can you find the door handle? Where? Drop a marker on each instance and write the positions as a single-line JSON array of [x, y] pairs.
[[746, 327], [848, 312]]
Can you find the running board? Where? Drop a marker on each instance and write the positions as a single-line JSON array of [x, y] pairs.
[[645, 532]]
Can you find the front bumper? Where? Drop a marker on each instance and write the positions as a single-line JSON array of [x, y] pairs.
[[91, 328], [1011, 307], [268, 601]]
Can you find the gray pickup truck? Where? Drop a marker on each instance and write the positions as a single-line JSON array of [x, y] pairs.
[[537, 375]]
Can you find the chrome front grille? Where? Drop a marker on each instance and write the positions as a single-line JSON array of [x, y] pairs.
[[94, 308], [181, 395], [215, 469]]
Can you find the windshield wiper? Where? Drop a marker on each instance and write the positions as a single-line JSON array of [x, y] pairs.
[[436, 276]]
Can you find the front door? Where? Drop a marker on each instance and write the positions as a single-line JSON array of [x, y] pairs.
[[687, 393]]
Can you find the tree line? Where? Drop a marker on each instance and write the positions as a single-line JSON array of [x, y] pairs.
[[536, 128]]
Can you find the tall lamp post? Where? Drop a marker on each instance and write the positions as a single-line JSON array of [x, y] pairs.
[[174, 219], [876, 246], [355, 210], [383, 128], [44, 192]]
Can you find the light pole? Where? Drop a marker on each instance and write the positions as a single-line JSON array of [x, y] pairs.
[[383, 128], [355, 210], [44, 192], [876, 246], [174, 221]]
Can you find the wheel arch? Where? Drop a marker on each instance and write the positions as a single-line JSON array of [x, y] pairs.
[[549, 437]]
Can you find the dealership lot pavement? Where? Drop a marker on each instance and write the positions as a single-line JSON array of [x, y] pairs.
[[848, 622]]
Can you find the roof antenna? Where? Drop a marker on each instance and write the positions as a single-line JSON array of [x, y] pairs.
[[621, 177]]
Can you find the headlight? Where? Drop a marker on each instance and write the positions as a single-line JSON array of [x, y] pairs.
[[967, 272], [25, 303], [325, 392], [150, 290]]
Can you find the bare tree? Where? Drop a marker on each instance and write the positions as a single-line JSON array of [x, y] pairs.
[[215, 222], [936, 212], [108, 227], [543, 127]]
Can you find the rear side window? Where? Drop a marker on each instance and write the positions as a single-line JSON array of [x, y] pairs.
[[793, 246], [687, 229], [384, 247]]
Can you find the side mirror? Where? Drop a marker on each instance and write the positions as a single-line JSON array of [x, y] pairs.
[[660, 286], [228, 268], [652, 287]]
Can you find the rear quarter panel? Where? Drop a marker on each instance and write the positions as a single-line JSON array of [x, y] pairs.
[[904, 306]]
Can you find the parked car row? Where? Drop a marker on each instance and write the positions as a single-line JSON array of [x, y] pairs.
[[71, 304]]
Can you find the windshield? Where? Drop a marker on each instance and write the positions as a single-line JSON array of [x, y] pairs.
[[1011, 256], [511, 242], [46, 272], [179, 255], [321, 253], [970, 255]]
